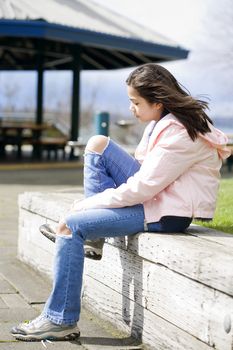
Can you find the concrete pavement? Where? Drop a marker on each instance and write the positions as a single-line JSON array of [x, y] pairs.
[[22, 290]]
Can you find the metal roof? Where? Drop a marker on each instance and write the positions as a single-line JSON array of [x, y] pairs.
[[107, 39]]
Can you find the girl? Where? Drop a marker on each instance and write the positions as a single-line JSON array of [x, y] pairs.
[[172, 179]]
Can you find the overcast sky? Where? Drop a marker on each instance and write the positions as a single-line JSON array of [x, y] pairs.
[[177, 19]]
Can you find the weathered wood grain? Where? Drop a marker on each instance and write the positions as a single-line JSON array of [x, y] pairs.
[[191, 306], [177, 289], [33, 248], [212, 235], [206, 262], [52, 205], [155, 331]]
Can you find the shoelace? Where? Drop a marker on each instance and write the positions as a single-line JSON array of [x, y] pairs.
[[43, 342], [32, 322]]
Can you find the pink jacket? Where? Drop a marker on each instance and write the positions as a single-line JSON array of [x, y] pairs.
[[177, 176]]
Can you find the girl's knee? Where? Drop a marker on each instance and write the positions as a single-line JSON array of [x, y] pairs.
[[97, 144], [62, 229]]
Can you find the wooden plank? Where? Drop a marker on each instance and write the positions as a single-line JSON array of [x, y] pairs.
[[206, 262], [191, 306], [47, 205], [205, 233], [156, 272], [33, 248], [189, 255], [130, 317]]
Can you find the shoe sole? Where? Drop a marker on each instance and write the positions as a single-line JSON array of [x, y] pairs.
[[45, 230], [93, 253], [71, 336], [90, 252]]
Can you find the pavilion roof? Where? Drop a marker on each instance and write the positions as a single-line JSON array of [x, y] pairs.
[[107, 39]]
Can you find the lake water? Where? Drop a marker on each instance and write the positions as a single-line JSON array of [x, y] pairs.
[[224, 124]]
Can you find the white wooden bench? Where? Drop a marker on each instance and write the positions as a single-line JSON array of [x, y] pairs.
[[175, 290]]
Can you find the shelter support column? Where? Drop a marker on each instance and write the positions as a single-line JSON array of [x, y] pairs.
[[40, 79], [39, 100], [75, 108]]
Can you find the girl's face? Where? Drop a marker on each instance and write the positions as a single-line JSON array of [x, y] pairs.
[[142, 109]]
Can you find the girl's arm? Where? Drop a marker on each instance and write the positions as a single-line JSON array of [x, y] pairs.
[[174, 153]]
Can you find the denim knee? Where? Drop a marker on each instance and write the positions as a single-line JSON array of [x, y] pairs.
[[69, 223], [74, 225]]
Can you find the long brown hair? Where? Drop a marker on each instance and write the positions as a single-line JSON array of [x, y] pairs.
[[156, 84]]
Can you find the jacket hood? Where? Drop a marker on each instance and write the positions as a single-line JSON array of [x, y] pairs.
[[217, 139]]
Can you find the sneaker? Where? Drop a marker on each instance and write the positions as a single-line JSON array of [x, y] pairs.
[[48, 232], [90, 249], [94, 248], [42, 328], [92, 252]]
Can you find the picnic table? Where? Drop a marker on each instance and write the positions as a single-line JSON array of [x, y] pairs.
[[19, 133]]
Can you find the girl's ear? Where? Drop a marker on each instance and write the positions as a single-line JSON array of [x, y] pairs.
[[158, 106]]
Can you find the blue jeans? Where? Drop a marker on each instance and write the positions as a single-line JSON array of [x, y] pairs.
[[109, 169]]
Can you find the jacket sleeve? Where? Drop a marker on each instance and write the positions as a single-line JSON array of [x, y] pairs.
[[172, 155]]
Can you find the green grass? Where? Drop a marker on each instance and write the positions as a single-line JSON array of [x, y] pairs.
[[223, 218]]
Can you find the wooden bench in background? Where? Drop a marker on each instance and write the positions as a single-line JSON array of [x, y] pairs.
[[44, 137], [173, 290], [51, 145]]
